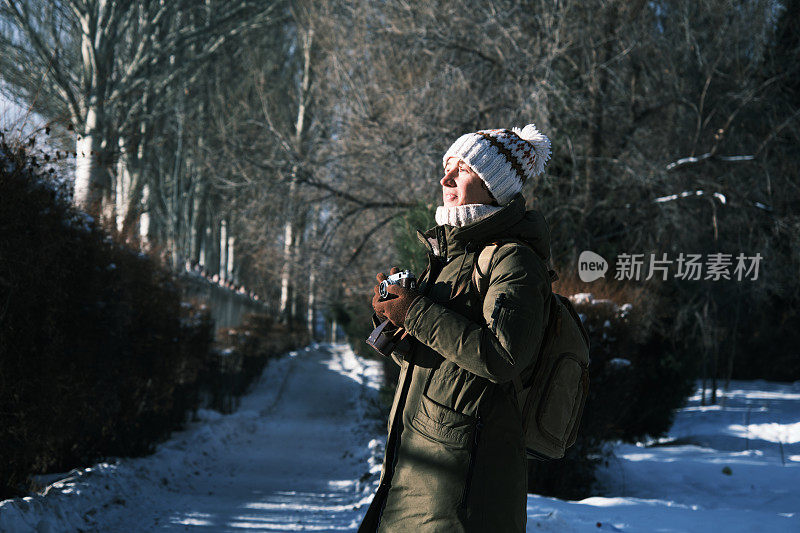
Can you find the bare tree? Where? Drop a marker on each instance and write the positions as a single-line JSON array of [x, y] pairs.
[[92, 78]]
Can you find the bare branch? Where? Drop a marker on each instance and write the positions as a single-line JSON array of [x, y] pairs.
[[708, 156]]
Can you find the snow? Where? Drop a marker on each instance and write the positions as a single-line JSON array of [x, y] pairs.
[[303, 453], [670, 197], [770, 432], [678, 483], [581, 297]]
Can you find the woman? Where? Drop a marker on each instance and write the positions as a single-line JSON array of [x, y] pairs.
[[455, 458]]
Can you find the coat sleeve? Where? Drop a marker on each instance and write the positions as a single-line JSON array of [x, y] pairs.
[[514, 319]]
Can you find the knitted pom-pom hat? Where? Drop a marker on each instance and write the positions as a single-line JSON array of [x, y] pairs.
[[504, 159]]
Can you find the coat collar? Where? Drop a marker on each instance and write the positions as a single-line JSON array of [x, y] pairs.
[[512, 221]]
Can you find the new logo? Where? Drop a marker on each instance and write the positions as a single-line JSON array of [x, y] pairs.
[[591, 266]]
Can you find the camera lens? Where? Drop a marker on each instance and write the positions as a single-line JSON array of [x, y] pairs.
[[382, 289]]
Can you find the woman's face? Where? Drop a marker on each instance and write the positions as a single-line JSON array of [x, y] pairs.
[[461, 185]]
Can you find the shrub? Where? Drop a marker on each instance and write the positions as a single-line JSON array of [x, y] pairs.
[[240, 355], [97, 355], [769, 346], [406, 242]]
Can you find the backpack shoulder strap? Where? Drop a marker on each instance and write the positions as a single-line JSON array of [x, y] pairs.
[[480, 272], [483, 263]]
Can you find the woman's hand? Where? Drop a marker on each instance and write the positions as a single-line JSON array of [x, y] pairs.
[[397, 304]]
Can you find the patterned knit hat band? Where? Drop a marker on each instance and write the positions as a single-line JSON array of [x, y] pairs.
[[503, 159]]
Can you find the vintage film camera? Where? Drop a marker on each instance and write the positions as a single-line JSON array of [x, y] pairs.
[[405, 279], [387, 338]]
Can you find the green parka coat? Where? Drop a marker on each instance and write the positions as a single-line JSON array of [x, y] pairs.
[[454, 458]]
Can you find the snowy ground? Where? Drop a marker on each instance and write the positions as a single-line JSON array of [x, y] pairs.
[[731, 468], [292, 457], [302, 454]]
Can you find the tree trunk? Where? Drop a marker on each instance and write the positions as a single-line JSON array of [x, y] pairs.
[[733, 337], [198, 225], [288, 259], [175, 219], [597, 92], [311, 265], [198, 221], [223, 250], [204, 238], [132, 155], [714, 361], [229, 263], [145, 221], [122, 185], [91, 179], [288, 307], [130, 202], [213, 246], [716, 332], [311, 312]]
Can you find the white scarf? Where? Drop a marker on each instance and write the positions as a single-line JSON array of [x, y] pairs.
[[461, 215]]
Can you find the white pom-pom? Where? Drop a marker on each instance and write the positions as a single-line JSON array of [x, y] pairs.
[[541, 145]]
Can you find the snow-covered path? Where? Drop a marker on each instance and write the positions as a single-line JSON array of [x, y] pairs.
[[294, 467], [303, 452], [290, 458]]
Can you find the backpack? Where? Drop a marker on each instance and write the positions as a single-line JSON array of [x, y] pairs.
[[551, 392]]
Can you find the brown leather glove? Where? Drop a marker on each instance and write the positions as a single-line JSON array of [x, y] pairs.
[[378, 312], [398, 303], [376, 296]]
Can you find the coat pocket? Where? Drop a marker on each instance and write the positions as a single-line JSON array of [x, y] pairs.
[[442, 424], [432, 469]]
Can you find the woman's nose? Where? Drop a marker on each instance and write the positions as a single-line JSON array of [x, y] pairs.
[[447, 179]]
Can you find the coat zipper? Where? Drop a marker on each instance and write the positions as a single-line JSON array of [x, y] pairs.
[[498, 307], [472, 456]]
